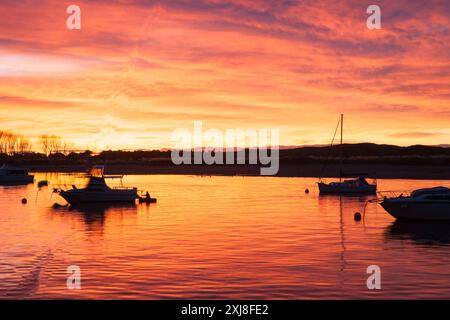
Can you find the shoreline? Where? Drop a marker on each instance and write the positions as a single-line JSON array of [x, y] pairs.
[[378, 171]]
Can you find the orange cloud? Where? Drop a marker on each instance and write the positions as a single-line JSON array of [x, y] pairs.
[[137, 70]]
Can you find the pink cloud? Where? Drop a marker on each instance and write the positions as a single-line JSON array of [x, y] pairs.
[[291, 64]]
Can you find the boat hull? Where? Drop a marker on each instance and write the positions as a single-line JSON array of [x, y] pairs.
[[417, 210], [343, 189], [16, 179], [116, 196]]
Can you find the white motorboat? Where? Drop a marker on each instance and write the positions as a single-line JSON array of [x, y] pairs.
[[359, 185], [14, 175], [97, 191], [422, 204]]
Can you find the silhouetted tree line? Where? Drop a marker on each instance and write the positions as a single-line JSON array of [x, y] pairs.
[[12, 144], [51, 148]]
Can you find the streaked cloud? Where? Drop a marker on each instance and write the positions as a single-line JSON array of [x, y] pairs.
[[144, 68]]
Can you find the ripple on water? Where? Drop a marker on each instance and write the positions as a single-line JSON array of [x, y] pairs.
[[218, 237]]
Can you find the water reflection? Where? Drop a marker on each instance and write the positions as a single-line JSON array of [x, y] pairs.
[[94, 214], [430, 233], [202, 231], [347, 205]]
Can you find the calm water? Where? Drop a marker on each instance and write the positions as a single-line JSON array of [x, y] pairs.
[[218, 237]]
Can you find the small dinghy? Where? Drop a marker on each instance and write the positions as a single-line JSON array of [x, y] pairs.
[[146, 198]]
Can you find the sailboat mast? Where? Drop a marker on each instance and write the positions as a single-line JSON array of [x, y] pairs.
[[342, 152]]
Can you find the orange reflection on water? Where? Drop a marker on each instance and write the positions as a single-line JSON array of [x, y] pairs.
[[217, 237]]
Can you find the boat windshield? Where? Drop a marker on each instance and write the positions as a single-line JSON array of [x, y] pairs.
[[96, 183], [363, 181], [430, 191]]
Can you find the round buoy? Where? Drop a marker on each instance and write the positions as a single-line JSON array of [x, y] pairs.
[[357, 216], [307, 191], [24, 200]]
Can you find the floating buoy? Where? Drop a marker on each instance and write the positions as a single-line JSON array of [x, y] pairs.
[[307, 191], [357, 216], [24, 200]]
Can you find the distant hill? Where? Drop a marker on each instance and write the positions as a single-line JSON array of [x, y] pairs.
[[363, 153], [368, 150]]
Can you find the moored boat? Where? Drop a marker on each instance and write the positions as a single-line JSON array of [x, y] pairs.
[[422, 204], [351, 186], [97, 191], [14, 175], [357, 185]]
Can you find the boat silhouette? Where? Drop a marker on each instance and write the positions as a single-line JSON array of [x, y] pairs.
[[11, 176], [97, 191], [422, 204], [357, 185]]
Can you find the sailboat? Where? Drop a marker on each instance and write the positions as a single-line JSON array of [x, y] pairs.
[[357, 185]]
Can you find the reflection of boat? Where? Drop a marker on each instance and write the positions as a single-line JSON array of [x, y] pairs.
[[424, 232], [100, 208], [349, 186], [328, 205], [95, 214], [14, 175], [422, 204], [98, 191]]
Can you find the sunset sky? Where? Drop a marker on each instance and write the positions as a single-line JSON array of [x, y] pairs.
[[140, 69]]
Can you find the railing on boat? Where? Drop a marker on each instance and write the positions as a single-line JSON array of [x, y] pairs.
[[393, 194], [123, 188], [66, 186]]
